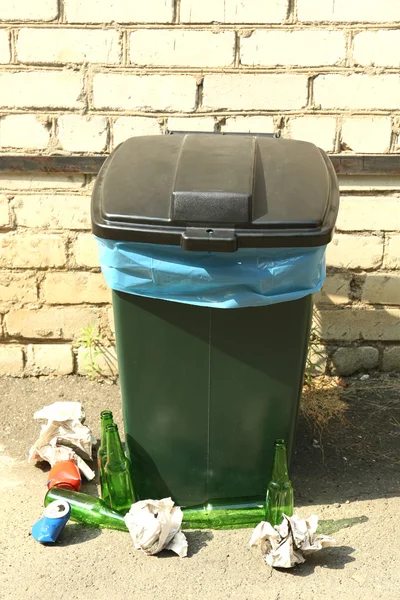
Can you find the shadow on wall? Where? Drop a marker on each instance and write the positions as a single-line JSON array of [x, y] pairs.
[[359, 308], [356, 338]]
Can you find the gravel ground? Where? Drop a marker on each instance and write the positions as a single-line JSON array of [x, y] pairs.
[[355, 492]]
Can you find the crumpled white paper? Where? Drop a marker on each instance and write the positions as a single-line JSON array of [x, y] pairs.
[[155, 525], [64, 437], [287, 544]]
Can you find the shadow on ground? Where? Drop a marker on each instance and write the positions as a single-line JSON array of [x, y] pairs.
[[76, 533], [356, 456], [329, 558]]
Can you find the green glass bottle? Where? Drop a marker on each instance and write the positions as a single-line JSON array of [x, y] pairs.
[[119, 483], [87, 510], [240, 514], [280, 488], [106, 419]]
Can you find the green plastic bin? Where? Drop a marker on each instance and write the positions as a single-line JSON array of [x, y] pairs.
[[206, 391]]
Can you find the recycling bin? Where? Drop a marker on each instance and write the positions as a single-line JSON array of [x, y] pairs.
[[213, 246]]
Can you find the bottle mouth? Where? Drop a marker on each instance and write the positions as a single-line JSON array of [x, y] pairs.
[[113, 427], [280, 442], [65, 486], [106, 413]]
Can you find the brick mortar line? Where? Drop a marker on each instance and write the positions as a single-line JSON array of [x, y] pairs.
[[145, 70], [61, 12], [334, 112], [385, 252], [176, 10], [13, 47], [124, 44], [214, 27], [349, 49], [388, 193], [79, 193], [367, 233], [359, 306], [15, 341], [112, 113]]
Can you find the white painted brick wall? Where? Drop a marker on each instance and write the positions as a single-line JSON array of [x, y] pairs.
[[392, 258], [366, 134], [357, 91], [18, 288], [360, 324], [82, 134], [182, 48], [381, 288], [85, 251], [355, 252], [293, 48], [348, 10], [365, 213], [44, 89], [101, 71], [154, 92], [106, 362], [28, 10], [191, 124], [249, 125], [378, 48], [68, 46], [126, 127], [4, 47], [119, 11], [336, 289], [52, 212], [40, 181], [233, 11], [36, 251], [4, 212], [23, 131], [51, 359], [255, 92], [51, 322], [76, 288], [368, 183], [320, 131], [11, 361]]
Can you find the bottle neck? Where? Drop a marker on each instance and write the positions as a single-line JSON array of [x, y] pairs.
[[280, 471], [115, 452], [106, 420]]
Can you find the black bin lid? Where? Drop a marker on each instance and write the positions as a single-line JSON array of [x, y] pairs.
[[216, 193]]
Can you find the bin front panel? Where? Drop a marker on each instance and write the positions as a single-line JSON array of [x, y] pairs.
[[206, 392], [163, 360], [257, 367]]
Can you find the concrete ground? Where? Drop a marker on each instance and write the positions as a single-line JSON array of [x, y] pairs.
[[356, 496]]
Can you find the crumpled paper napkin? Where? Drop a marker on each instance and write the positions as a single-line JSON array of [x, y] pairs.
[[287, 544], [155, 525], [64, 437]]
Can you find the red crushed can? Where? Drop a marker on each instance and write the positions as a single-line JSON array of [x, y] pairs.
[[65, 474]]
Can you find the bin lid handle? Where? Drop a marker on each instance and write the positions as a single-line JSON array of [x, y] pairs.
[[209, 239]]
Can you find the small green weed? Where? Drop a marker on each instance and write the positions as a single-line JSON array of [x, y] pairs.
[[315, 353], [96, 355]]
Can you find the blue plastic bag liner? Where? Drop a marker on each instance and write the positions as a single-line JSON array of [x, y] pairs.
[[248, 277]]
